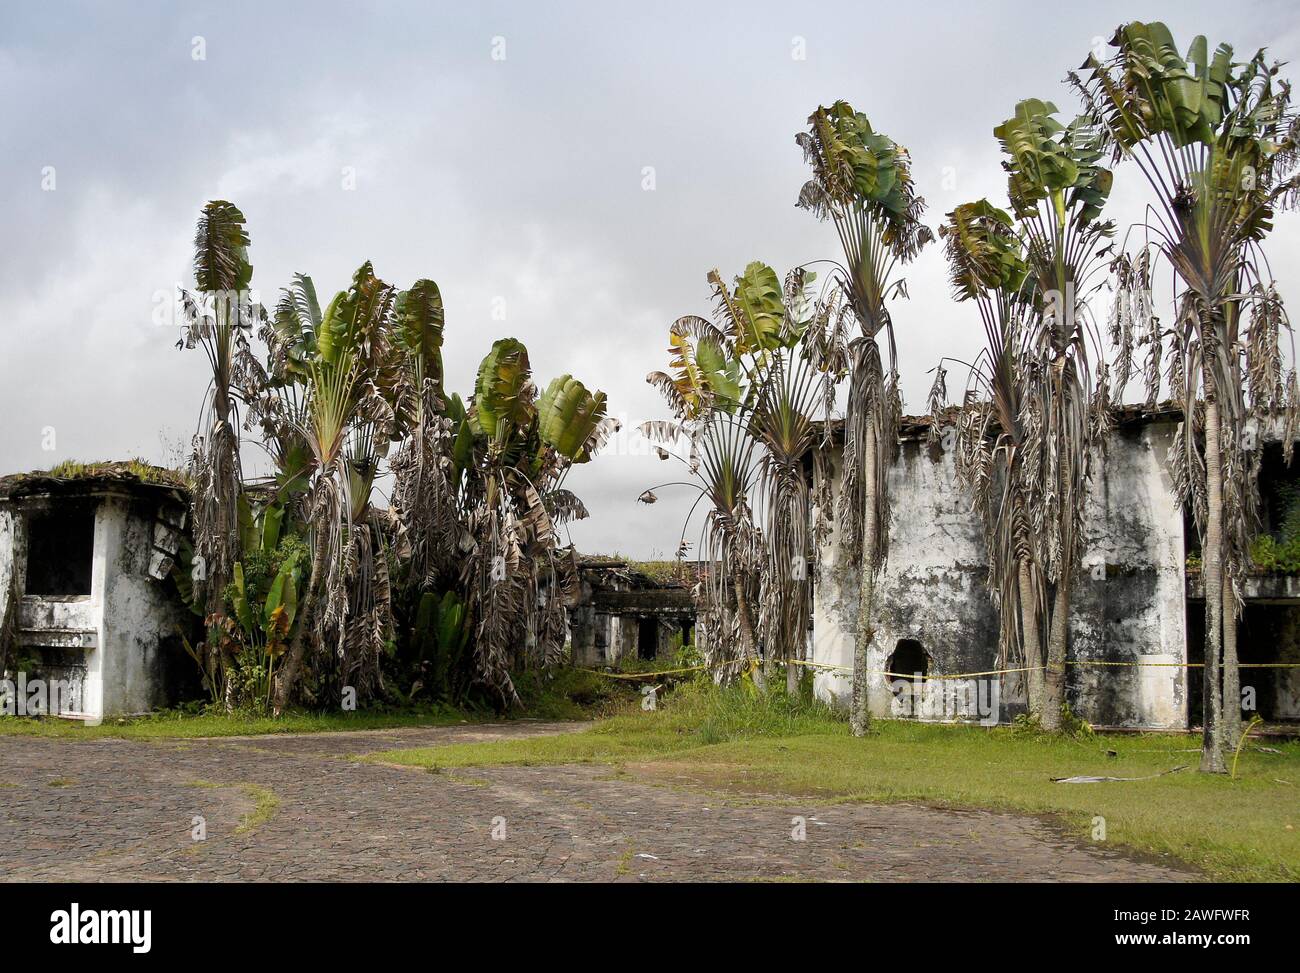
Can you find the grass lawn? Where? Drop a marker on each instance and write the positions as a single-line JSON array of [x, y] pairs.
[[569, 694], [1243, 829], [178, 724]]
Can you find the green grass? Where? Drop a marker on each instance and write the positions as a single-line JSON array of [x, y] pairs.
[[1247, 829], [131, 469], [566, 694], [697, 716], [178, 725], [265, 802]]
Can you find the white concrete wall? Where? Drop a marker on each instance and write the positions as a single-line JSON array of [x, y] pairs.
[[1129, 601], [933, 589], [8, 544], [121, 626], [137, 612]]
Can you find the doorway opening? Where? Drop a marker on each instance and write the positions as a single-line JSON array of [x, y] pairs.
[[647, 638], [908, 661]]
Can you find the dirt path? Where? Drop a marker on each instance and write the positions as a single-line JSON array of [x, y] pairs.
[[279, 808]]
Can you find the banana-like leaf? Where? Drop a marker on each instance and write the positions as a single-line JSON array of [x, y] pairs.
[[503, 394], [853, 165], [570, 417], [420, 322], [332, 338], [450, 629], [282, 595], [296, 323], [760, 297], [250, 538], [272, 518], [221, 249], [354, 320], [983, 250], [703, 373], [243, 610], [1157, 91], [1050, 161], [277, 632]]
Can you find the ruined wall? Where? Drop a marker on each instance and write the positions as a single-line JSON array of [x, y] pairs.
[[9, 543], [606, 623], [932, 588], [1128, 601], [137, 629], [118, 645], [583, 650], [1129, 596]]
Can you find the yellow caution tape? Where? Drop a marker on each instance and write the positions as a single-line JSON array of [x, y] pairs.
[[754, 664]]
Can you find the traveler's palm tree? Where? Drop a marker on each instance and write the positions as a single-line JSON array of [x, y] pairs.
[[988, 267], [512, 453], [862, 182], [1216, 140], [347, 423], [712, 392], [219, 315], [746, 391], [1057, 190]]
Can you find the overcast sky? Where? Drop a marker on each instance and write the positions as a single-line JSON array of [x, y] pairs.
[[515, 182]]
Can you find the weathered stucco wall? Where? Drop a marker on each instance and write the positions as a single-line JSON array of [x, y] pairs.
[[1128, 601], [9, 542], [931, 590], [117, 645], [605, 624], [1129, 598], [138, 626]]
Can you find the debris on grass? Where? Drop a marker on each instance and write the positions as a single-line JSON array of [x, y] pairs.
[[1102, 780]]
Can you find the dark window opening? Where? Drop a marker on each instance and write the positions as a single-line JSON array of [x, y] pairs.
[[60, 552], [647, 638], [1267, 633], [908, 660]]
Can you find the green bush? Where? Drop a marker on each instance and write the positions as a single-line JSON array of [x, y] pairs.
[[1280, 553]]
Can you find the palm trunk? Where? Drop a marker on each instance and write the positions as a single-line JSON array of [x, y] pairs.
[[859, 718], [1054, 676], [1212, 744], [217, 578], [747, 633], [292, 668], [1033, 646], [1231, 673]]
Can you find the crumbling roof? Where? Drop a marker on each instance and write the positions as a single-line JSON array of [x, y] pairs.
[[913, 427], [71, 476], [643, 574]]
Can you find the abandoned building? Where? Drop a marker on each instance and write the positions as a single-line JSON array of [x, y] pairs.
[[625, 612], [1137, 612], [84, 595]]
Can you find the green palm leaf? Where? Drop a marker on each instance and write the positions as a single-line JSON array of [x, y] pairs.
[[569, 417]]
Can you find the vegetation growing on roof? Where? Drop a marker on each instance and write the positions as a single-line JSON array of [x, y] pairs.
[[136, 470]]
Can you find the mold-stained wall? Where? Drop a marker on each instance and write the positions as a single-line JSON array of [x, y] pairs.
[[117, 646], [1128, 601], [1128, 604]]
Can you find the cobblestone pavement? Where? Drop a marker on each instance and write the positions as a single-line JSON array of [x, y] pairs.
[[107, 810]]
